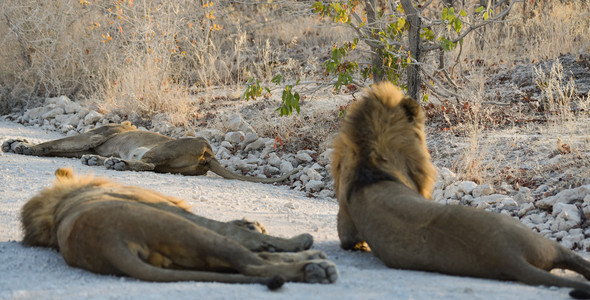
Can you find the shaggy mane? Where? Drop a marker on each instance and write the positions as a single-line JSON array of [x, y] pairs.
[[40, 214], [383, 135]]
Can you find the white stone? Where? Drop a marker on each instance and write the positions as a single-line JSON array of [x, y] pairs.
[[326, 193], [565, 196], [235, 137], [235, 122], [274, 160], [303, 157], [286, 167], [226, 144], [314, 185], [509, 203], [53, 113], [491, 199], [447, 176], [482, 190], [313, 174], [438, 195], [566, 216], [92, 117], [250, 137], [451, 191], [257, 144], [466, 186], [525, 208], [523, 195]]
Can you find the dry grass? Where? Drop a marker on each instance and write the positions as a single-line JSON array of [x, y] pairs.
[[148, 57]]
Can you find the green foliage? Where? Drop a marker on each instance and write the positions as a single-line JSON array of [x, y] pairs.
[[290, 99], [387, 40]]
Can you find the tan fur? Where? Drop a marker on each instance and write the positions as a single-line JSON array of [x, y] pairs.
[[123, 147], [109, 228], [383, 179]]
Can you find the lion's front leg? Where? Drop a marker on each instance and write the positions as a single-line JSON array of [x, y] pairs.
[[291, 257], [18, 146], [347, 232]]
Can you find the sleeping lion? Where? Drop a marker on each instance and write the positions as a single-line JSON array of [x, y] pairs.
[[123, 147], [383, 180], [108, 228]]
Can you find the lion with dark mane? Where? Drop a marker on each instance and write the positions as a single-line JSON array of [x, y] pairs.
[[108, 228], [383, 180]]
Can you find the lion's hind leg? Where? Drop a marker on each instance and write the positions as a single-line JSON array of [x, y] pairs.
[[92, 160], [129, 262], [523, 271]]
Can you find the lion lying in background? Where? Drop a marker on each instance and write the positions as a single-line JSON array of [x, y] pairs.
[[122, 147], [383, 180], [108, 228]]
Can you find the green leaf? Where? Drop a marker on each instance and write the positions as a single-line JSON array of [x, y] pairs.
[[463, 13], [479, 9]]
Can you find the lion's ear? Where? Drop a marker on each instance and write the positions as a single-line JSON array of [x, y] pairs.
[[411, 107], [64, 173]]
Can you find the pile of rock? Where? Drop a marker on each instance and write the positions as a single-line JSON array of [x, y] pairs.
[[562, 217]]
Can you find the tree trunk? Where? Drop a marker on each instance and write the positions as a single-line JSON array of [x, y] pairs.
[[413, 71], [376, 58]]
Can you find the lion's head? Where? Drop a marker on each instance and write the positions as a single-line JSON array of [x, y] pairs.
[[384, 131]]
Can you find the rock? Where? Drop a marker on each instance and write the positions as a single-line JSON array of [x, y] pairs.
[[259, 143], [92, 117], [509, 204], [235, 137], [274, 160], [452, 192], [466, 186], [482, 190], [314, 185], [313, 174], [209, 134], [525, 208], [226, 145], [235, 122], [326, 193], [523, 195], [566, 216], [302, 156], [286, 167], [447, 176], [53, 113], [565, 196], [438, 195], [250, 137], [491, 199]]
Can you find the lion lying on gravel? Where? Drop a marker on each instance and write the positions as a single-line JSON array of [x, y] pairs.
[[123, 147], [383, 180], [108, 228]]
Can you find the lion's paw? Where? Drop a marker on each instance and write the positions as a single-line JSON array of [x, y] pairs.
[[320, 271], [18, 146], [114, 163], [90, 160], [314, 254], [304, 242], [250, 225]]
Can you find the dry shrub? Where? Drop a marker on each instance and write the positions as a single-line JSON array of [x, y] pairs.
[[148, 57], [538, 31]]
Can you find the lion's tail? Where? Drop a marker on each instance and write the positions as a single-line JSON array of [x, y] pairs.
[[64, 173]]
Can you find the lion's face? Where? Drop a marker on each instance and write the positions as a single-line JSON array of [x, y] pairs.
[[384, 131]]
